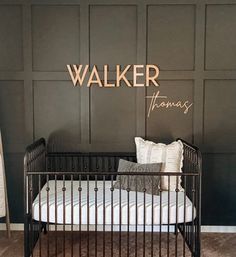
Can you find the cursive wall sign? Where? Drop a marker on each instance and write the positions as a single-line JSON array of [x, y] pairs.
[[161, 101]]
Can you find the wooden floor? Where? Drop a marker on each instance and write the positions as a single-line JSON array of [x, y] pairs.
[[213, 245]]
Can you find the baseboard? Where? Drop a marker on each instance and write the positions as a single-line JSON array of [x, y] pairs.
[[206, 229], [218, 229], [13, 226]]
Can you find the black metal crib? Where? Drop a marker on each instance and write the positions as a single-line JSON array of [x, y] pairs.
[[72, 208]]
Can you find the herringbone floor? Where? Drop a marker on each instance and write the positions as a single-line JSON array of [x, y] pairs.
[[213, 245]]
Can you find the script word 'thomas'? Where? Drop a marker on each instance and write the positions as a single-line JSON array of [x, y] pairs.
[[149, 73]]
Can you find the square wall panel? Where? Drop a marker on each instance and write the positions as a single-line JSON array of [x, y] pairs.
[[55, 31], [221, 37], [171, 30], [113, 35], [218, 183], [113, 115], [170, 123], [12, 118], [219, 115], [15, 185], [11, 51], [57, 113]]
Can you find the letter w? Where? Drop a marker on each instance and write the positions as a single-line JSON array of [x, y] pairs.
[[75, 75]]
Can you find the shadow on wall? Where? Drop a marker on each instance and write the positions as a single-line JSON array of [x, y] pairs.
[[62, 141], [167, 136]]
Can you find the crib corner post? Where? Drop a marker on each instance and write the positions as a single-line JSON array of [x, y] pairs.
[[26, 215], [198, 246]]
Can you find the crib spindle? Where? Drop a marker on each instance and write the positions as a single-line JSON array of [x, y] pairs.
[[80, 216], [72, 215], [96, 214], [103, 202], [128, 215], [56, 235], [88, 217], [120, 220], [64, 216], [40, 212], [176, 214], [136, 216], [160, 233], [168, 225], [184, 224], [152, 220], [48, 215]]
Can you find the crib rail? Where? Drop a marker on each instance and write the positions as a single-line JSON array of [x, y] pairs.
[[68, 195], [87, 162]]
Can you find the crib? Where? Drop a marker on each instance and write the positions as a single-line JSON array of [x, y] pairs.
[[73, 209]]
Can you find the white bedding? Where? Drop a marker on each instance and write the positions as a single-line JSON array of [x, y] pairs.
[[189, 212]]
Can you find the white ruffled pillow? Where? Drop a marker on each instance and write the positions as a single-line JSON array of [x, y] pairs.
[[171, 157]]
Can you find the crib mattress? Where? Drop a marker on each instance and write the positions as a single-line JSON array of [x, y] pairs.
[[64, 205]]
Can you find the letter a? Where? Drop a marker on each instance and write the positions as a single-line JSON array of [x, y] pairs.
[[97, 78]]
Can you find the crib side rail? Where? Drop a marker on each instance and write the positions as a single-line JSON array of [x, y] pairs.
[[87, 162], [73, 188]]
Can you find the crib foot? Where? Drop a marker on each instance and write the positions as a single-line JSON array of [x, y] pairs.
[[44, 229], [176, 232]]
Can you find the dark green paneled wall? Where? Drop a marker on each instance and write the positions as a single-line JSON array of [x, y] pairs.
[[192, 42]]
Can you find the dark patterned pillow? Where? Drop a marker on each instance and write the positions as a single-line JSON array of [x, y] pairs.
[[138, 183]]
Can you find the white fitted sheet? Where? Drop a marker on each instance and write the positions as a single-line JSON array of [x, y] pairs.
[[190, 211]]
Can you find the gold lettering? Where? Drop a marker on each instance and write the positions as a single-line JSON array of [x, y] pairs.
[[166, 104], [106, 84], [121, 75], [78, 74], [97, 79], [187, 106], [137, 74], [76, 77], [152, 78]]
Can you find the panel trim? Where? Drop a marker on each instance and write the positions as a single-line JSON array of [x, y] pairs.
[[28, 89], [84, 59], [198, 81], [141, 58]]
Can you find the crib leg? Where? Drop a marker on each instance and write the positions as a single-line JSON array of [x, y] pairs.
[[176, 232], [198, 248], [44, 228], [27, 249]]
